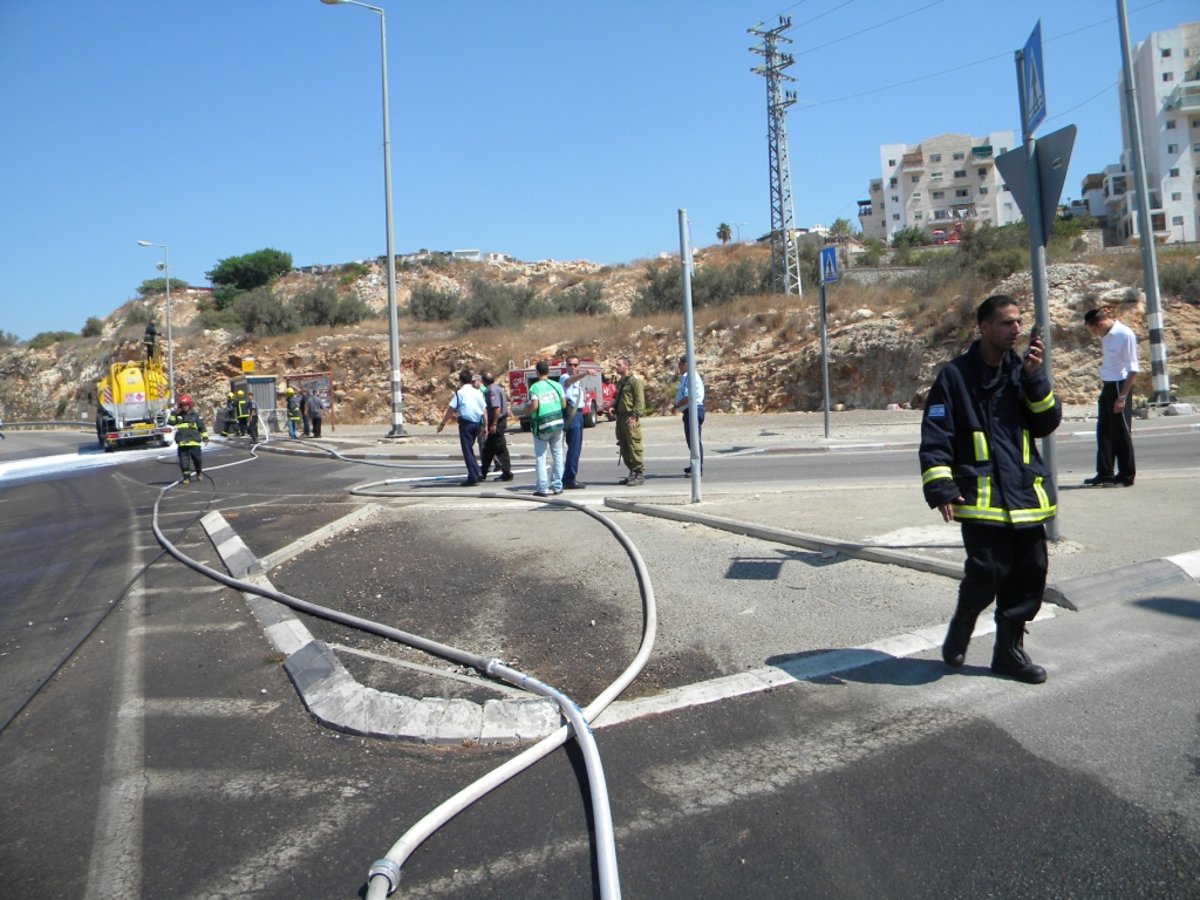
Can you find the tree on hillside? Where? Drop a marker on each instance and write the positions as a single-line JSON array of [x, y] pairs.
[[841, 229], [159, 286], [724, 235], [257, 269], [911, 236], [93, 327]]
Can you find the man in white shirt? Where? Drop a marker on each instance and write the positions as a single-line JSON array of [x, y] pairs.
[[570, 380], [684, 397], [1118, 370], [468, 406]]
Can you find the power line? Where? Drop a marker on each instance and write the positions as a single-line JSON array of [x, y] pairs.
[[809, 104], [870, 28], [1100, 93], [826, 13]]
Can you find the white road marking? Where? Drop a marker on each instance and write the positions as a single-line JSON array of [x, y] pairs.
[[214, 707], [115, 867]]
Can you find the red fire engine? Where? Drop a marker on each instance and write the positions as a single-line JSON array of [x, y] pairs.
[[598, 392]]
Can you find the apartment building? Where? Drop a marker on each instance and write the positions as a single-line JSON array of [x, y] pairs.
[[937, 184], [1166, 72]]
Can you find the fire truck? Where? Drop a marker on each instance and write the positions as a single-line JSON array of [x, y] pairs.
[[598, 392]]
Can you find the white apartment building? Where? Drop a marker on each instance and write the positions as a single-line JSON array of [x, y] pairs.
[[937, 183], [1166, 72]]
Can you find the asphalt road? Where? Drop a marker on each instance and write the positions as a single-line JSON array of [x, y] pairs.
[[170, 756]]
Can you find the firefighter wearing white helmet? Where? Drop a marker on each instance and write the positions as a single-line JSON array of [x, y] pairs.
[[293, 412], [190, 433]]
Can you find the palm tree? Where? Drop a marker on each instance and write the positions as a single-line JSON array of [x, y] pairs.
[[724, 233]]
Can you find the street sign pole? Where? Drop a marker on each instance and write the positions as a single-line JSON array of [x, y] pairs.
[[689, 343], [1031, 94], [829, 273]]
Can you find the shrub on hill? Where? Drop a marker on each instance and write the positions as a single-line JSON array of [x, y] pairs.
[[1182, 280], [711, 286], [431, 304], [323, 306], [261, 312], [44, 339]]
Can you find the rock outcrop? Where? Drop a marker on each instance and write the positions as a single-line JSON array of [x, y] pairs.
[[762, 361]]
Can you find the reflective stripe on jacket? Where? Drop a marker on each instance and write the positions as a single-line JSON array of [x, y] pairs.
[[977, 441], [189, 428]]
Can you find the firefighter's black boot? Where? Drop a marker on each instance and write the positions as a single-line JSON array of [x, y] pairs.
[[958, 636], [1009, 658]]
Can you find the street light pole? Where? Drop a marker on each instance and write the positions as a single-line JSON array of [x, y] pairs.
[[165, 265], [397, 429]]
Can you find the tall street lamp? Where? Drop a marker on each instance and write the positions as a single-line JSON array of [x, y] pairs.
[[397, 429], [165, 268]]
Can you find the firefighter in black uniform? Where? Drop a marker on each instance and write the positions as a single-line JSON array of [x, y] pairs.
[[149, 340], [229, 421], [189, 435], [980, 466], [247, 416]]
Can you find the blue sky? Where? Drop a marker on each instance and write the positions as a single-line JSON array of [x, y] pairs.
[[544, 130]]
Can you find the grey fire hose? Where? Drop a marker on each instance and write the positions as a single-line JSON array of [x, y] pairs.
[[384, 875]]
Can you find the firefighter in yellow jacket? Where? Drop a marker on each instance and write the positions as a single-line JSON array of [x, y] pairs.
[[980, 467], [189, 435]]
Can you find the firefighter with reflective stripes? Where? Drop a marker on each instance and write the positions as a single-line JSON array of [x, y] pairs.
[[293, 413], [189, 435], [980, 466], [247, 416], [229, 420]]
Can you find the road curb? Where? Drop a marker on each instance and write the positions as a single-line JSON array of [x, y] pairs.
[[1151, 576], [1074, 593], [337, 700], [795, 538]]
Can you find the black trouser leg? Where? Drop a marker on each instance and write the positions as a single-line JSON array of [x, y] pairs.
[[1004, 564]]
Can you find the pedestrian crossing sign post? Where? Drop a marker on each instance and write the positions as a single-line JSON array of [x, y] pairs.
[[829, 274], [829, 265], [1033, 82]]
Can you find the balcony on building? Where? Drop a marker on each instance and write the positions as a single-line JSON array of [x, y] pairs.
[[1185, 97], [982, 154], [864, 207], [913, 161]]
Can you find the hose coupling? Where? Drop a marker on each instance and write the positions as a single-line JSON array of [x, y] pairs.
[[389, 870]]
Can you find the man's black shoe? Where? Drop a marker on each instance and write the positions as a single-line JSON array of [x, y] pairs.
[[575, 486], [541, 493], [1123, 482], [1009, 657], [507, 476], [954, 648], [1099, 481], [468, 483]]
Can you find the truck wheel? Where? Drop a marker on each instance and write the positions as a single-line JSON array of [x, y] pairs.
[[589, 417]]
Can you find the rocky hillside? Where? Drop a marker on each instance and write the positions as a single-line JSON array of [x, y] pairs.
[[754, 359]]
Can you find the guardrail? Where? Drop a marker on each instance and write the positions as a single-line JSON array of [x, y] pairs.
[[86, 426]]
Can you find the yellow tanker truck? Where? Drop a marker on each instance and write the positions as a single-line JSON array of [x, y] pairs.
[[133, 402]]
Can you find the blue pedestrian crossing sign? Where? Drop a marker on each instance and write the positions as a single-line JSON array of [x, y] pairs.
[[829, 265], [1033, 82]]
